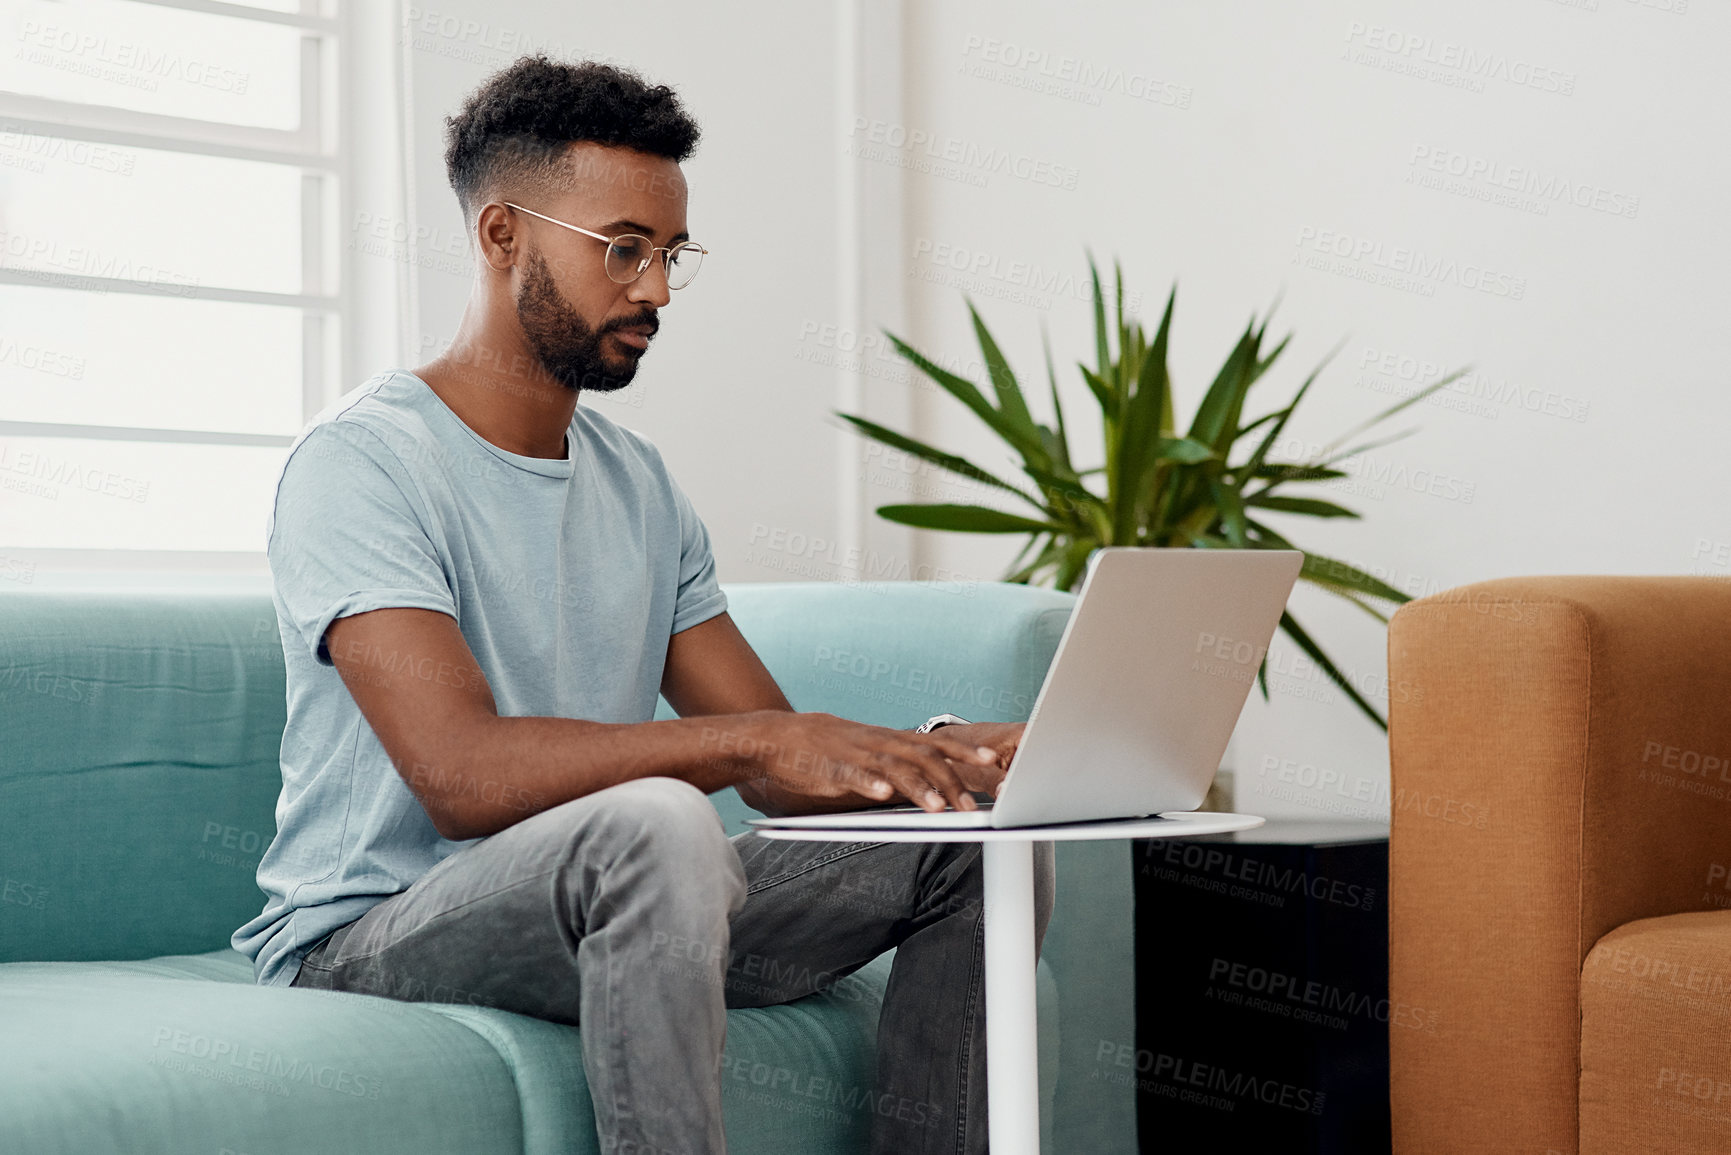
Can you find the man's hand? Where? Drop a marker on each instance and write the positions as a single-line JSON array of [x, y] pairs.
[[796, 763], [1002, 738], [810, 762]]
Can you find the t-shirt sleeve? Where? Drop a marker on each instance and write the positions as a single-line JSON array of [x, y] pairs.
[[346, 535], [700, 596]]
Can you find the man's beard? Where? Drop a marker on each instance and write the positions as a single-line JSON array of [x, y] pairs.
[[569, 350]]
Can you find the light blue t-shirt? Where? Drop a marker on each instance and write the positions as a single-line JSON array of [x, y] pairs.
[[567, 578]]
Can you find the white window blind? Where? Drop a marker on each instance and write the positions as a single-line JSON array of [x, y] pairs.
[[171, 275]]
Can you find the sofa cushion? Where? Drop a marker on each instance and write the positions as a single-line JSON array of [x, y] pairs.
[[185, 1053], [1656, 1037], [144, 1057]]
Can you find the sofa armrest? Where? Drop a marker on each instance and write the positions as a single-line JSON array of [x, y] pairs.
[[1560, 765]]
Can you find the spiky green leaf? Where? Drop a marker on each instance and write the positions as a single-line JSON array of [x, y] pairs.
[[950, 461], [964, 519]]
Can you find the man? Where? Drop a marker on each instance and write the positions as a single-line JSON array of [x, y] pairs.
[[482, 586]]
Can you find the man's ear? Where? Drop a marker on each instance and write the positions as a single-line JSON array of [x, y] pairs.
[[496, 237]]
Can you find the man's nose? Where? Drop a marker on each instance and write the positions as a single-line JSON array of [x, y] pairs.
[[651, 288]]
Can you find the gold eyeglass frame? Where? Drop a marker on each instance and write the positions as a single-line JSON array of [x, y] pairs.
[[666, 262]]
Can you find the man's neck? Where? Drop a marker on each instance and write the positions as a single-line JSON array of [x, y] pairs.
[[504, 395]]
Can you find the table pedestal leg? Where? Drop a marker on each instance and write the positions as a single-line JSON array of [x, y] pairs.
[[1012, 1039]]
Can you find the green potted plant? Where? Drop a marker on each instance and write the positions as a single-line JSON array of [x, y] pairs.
[[1206, 487]]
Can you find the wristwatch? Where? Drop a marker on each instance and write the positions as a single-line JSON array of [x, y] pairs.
[[933, 723]]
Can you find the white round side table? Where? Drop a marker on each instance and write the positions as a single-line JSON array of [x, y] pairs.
[[1012, 1054]]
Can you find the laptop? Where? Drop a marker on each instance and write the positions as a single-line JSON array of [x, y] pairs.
[[1147, 684]]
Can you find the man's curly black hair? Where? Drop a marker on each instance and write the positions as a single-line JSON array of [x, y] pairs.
[[515, 127]]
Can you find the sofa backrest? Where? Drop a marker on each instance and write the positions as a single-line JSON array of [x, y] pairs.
[[139, 735]]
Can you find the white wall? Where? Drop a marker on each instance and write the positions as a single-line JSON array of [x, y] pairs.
[[1592, 440], [1226, 143]]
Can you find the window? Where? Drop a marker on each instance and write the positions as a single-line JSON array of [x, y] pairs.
[[171, 282]]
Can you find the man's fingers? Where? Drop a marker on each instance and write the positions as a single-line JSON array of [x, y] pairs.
[[973, 766], [906, 777], [834, 778], [988, 778], [940, 778], [962, 751], [870, 784], [940, 773], [861, 779]]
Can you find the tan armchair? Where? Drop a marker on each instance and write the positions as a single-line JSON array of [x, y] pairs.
[[1560, 867]]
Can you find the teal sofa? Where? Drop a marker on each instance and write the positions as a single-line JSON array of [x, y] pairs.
[[138, 780]]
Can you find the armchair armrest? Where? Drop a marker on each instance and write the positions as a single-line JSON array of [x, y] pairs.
[[1560, 766]]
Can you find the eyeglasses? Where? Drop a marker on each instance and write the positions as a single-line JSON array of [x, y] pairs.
[[628, 254]]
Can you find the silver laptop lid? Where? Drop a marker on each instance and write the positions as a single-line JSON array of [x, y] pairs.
[[1147, 683]]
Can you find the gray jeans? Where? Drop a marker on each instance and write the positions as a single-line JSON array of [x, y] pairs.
[[629, 912]]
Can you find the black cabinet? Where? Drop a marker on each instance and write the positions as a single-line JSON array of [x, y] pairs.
[[1262, 1010]]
